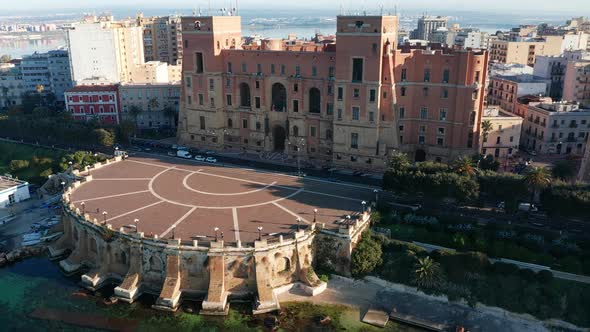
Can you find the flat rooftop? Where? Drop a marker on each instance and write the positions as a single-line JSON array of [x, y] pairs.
[[7, 183], [190, 199]]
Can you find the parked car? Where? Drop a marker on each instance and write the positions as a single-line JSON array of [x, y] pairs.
[[209, 152], [183, 154], [527, 207], [211, 160], [200, 158], [172, 154]]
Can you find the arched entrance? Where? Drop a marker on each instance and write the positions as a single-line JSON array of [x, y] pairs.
[[278, 135], [279, 97], [420, 155]]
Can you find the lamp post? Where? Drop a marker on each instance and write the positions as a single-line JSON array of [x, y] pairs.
[[83, 208], [376, 192], [364, 204], [315, 212], [104, 214], [63, 186], [216, 229], [173, 231], [221, 236], [298, 223], [259, 233], [136, 221]]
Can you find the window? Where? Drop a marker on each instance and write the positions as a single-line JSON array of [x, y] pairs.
[[330, 89], [258, 125], [356, 93], [497, 153], [403, 91], [404, 74], [212, 102], [245, 124], [315, 100], [244, 95], [401, 139], [357, 70], [199, 62], [257, 102], [202, 122], [371, 117], [356, 113], [423, 112], [444, 93], [283, 69], [230, 123], [295, 131], [331, 71], [312, 131], [372, 93], [201, 99], [498, 140], [339, 114], [244, 67], [446, 75], [295, 105], [440, 131], [185, 43], [329, 109], [228, 82], [374, 48], [470, 140], [211, 84], [442, 114], [189, 100], [421, 139], [477, 74], [228, 100], [422, 128], [298, 70], [402, 112], [295, 87], [329, 134], [440, 141], [314, 71], [427, 75], [272, 68], [474, 94], [187, 80], [340, 93], [354, 140], [425, 91], [259, 69], [512, 138], [229, 67]]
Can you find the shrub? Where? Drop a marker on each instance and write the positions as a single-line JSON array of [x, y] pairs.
[[16, 165], [366, 256]]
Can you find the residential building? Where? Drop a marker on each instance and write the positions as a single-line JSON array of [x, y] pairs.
[[427, 25], [12, 88], [556, 128], [162, 38], [104, 51], [159, 104], [573, 41], [554, 68], [349, 105], [12, 191], [470, 38], [505, 90], [584, 171], [503, 139], [576, 87], [524, 52], [523, 31], [522, 103], [94, 102], [51, 70]]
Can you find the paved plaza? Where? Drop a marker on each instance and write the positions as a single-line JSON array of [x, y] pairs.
[[188, 200]]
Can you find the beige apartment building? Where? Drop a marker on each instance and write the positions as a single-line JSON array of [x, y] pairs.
[[162, 38], [154, 101], [503, 139], [524, 52], [576, 86]]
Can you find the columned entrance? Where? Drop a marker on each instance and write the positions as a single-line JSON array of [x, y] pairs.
[[278, 136]]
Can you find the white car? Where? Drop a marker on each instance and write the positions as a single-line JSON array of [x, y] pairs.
[[183, 154], [200, 158], [211, 160]]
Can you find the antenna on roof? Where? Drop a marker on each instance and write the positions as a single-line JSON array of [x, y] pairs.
[[381, 7]]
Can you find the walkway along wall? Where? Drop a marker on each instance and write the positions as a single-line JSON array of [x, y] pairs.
[[174, 269]]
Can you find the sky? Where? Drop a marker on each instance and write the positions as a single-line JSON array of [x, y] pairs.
[[579, 7]]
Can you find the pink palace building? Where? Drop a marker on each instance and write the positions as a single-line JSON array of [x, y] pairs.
[[100, 102], [344, 104]]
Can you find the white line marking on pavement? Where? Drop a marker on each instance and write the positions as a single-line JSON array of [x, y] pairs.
[[136, 210], [122, 179], [290, 212], [177, 222], [236, 224], [185, 183], [111, 196], [144, 163]]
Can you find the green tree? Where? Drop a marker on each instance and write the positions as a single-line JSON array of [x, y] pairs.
[[5, 58], [134, 111], [537, 179], [427, 273], [398, 161], [486, 127], [564, 170], [104, 137], [153, 104], [366, 256], [464, 166]]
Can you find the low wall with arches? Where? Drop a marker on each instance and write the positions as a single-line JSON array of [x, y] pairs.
[[174, 269]]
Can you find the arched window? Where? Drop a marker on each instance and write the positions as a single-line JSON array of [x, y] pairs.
[[156, 264], [245, 95], [329, 134], [279, 97], [122, 258], [230, 123], [315, 100], [295, 131]]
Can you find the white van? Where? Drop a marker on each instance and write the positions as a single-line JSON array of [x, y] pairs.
[[183, 154]]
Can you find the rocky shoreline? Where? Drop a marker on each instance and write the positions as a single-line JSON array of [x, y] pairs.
[[7, 258]]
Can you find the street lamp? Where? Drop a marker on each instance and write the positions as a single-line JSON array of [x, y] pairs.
[[83, 208], [315, 212], [259, 233], [136, 221], [298, 222], [104, 214], [216, 229], [376, 192], [173, 230], [63, 186], [364, 204]]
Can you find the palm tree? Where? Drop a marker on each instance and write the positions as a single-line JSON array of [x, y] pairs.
[[153, 104], [170, 113], [464, 165], [537, 179], [427, 273], [486, 127], [134, 111], [40, 89]]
